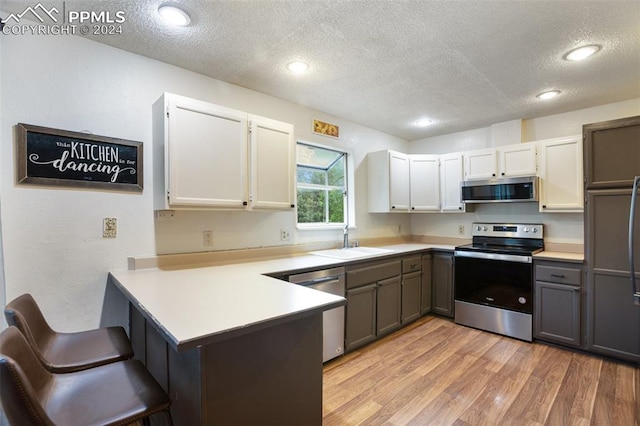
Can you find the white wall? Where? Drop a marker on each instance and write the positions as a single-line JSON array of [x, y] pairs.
[[2, 285], [52, 239], [559, 227]]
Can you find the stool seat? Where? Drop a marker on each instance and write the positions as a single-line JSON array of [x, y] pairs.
[[116, 393], [66, 352]]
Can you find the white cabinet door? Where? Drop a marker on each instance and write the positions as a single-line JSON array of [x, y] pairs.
[[451, 175], [561, 175], [205, 147], [424, 180], [398, 181], [505, 161], [272, 164], [518, 160], [480, 164]]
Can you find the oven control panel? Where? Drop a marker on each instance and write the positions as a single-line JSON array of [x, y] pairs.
[[510, 230]]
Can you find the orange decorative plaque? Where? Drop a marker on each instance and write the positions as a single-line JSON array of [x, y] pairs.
[[326, 129]]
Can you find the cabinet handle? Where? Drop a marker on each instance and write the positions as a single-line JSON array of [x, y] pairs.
[[493, 174], [393, 207], [557, 275], [502, 173], [460, 208], [413, 208], [293, 206], [244, 203], [544, 206]]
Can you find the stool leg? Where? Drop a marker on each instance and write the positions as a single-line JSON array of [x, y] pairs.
[[167, 412]]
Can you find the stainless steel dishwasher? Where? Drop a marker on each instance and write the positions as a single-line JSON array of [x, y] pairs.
[[330, 281]]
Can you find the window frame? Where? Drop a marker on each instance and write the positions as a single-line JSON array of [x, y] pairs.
[[350, 192]]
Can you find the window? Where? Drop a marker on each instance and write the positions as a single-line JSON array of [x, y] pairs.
[[321, 186]]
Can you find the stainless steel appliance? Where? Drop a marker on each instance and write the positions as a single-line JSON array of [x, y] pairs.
[[612, 242], [632, 241], [509, 190], [493, 278], [330, 281]]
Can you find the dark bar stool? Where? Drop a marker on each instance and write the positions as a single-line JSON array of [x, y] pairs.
[[113, 394], [66, 352]]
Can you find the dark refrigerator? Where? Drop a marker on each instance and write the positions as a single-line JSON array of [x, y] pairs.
[[611, 164]]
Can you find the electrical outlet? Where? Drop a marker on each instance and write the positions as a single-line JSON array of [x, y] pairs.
[[284, 235], [164, 214], [399, 229], [207, 238], [109, 227], [460, 229]]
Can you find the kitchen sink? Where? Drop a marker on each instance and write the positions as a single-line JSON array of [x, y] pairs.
[[351, 252]]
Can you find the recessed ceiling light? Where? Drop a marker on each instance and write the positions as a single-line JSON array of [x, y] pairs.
[[548, 95], [581, 52], [174, 16], [298, 67], [423, 122]]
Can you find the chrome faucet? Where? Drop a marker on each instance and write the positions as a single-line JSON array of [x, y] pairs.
[[345, 237]]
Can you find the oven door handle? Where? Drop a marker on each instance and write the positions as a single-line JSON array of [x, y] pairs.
[[493, 256]]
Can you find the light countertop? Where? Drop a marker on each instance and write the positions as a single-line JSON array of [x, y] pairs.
[[192, 306], [199, 305], [561, 256]]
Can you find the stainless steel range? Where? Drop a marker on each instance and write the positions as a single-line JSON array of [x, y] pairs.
[[494, 278]]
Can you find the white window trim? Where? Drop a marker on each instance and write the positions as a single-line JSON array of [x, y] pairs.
[[351, 193]]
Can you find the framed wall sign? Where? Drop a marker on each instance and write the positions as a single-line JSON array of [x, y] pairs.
[[46, 156]]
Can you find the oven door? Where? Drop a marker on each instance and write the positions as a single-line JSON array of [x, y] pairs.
[[496, 280]]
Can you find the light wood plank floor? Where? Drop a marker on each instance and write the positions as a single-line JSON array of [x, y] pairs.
[[435, 372]]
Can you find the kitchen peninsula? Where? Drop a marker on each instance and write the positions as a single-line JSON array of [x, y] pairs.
[[228, 343]]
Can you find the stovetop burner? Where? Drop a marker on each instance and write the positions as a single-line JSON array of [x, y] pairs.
[[521, 239], [501, 249]]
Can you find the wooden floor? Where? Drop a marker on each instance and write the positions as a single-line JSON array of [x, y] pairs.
[[435, 372]]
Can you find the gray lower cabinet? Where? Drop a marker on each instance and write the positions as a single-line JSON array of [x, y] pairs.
[[558, 301], [360, 316], [442, 284], [425, 292], [373, 301], [411, 289], [388, 306]]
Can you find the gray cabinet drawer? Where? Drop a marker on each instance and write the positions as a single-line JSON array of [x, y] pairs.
[[411, 264], [557, 274], [371, 274]]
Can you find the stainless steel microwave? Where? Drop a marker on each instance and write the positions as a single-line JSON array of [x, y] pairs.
[[510, 190]]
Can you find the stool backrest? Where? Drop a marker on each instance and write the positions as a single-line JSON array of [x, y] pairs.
[[23, 312], [23, 380]]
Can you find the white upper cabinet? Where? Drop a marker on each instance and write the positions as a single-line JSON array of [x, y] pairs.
[[388, 173], [272, 164], [424, 182], [399, 181], [414, 183], [502, 162], [517, 160], [451, 175], [481, 164], [561, 174], [205, 146], [203, 158]]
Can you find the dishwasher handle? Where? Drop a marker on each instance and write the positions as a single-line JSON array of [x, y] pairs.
[[316, 281]]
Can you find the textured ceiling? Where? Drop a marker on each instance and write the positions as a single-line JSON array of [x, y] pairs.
[[384, 64]]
